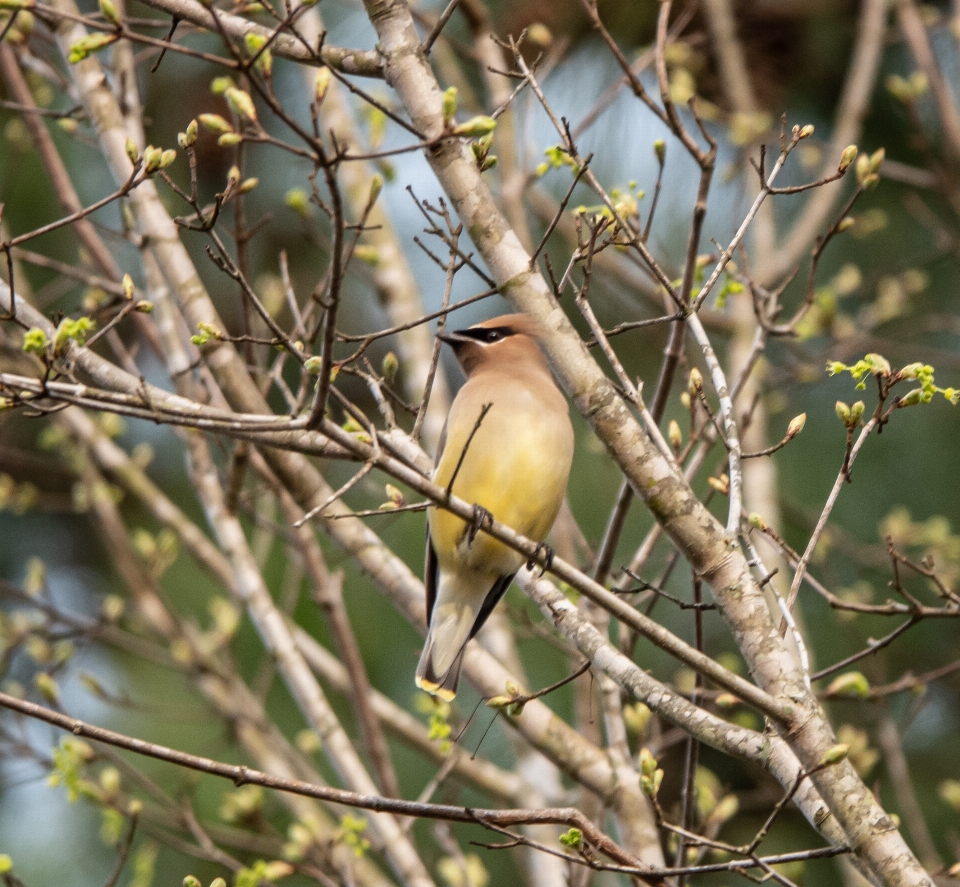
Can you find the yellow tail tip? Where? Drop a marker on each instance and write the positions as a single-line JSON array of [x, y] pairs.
[[435, 689]]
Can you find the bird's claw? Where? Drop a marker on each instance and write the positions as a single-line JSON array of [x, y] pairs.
[[547, 552], [481, 518]]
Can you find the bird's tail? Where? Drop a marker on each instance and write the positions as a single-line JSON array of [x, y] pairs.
[[439, 669], [444, 685]]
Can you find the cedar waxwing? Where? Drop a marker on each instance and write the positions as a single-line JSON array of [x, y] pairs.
[[515, 467]]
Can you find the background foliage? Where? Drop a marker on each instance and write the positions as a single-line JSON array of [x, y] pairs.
[[87, 563]]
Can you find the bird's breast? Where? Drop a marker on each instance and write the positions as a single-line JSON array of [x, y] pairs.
[[516, 466]]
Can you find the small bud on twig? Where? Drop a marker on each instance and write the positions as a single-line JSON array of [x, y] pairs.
[[796, 425], [675, 435], [835, 754], [847, 157], [695, 384], [241, 103], [476, 127], [449, 104], [320, 85]]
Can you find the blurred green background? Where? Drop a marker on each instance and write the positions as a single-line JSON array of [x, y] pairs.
[[907, 271]]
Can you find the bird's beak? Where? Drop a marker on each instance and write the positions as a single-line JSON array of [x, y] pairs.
[[454, 338]]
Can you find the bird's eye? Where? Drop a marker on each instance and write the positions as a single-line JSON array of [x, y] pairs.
[[494, 336]]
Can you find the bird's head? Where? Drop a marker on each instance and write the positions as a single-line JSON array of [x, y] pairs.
[[508, 341]]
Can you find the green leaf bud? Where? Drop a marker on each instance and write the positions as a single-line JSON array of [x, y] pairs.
[[636, 717], [449, 104], [321, 83], [911, 370], [254, 42], [264, 63], [17, 34], [539, 34], [695, 382], [133, 152], [296, 199], [215, 123], [88, 45], [911, 398], [863, 167], [949, 791], [110, 13], [35, 341], [390, 366], [514, 709], [376, 186], [796, 425], [878, 364], [110, 782], [72, 330], [477, 126], [395, 496], [847, 157], [835, 754], [47, 687], [899, 88], [241, 103], [851, 683], [219, 85], [152, 157], [675, 435], [727, 807], [648, 763], [756, 521]]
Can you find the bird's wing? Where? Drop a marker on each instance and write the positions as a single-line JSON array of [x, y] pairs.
[[431, 567], [490, 601], [431, 571]]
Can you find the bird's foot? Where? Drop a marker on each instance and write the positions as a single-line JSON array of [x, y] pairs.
[[547, 552], [481, 518]]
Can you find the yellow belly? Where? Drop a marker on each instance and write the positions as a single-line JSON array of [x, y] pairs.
[[515, 467]]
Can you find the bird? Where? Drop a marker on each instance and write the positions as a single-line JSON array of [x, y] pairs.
[[507, 448]]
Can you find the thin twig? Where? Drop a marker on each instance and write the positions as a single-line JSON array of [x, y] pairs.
[[849, 459]]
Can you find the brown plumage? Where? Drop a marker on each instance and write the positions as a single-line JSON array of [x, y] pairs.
[[516, 467]]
